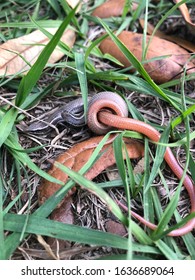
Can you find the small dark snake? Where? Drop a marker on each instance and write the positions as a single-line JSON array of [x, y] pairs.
[[71, 113]]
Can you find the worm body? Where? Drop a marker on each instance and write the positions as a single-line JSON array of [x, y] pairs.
[[109, 119]]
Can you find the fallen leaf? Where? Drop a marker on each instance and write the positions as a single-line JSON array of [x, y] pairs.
[[183, 43], [116, 228], [16, 55], [185, 13], [161, 70], [63, 214], [77, 156], [112, 8]]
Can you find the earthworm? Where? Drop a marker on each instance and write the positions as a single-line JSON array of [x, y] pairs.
[[98, 117]]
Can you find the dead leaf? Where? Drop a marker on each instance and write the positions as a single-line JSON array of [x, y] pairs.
[[17, 54], [63, 214], [77, 156], [112, 8], [116, 228], [183, 43], [161, 70], [185, 13]]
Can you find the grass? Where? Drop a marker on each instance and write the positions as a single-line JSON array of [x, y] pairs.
[[84, 73]]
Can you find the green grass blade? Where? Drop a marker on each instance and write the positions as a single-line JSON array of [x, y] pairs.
[[74, 233], [2, 245], [184, 114], [192, 167], [160, 151], [67, 9], [56, 7], [140, 234], [6, 124], [62, 231], [64, 48], [12, 144], [147, 197], [119, 148], [189, 241], [140, 85], [93, 45], [166, 250], [28, 24], [81, 73], [28, 82]]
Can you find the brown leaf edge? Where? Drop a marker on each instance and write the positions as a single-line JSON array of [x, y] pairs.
[[183, 43]]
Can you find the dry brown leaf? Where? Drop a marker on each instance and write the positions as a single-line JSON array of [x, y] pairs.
[[116, 228], [161, 70], [185, 13], [183, 43], [63, 214], [77, 156], [112, 8], [15, 54]]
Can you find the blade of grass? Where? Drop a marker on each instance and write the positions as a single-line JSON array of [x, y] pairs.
[[12, 144], [2, 244], [27, 83], [159, 231], [165, 16], [74, 233], [68, 10], [6, 124], [166, 250], [93, 45], [141, 85], [56, 7], [66, 49], [56, 229], [147, 199], [118, 146], [184, 114], [81, 73], [159, 211], [28, 25], [192, 167], [160, 151]]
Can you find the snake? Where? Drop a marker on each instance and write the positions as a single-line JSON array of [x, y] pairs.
[[71, 113], [107, 111]]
